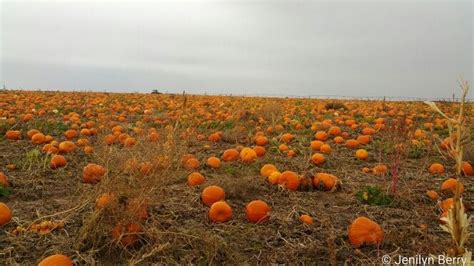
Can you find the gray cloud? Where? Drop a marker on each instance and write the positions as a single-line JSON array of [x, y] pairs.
[[254, 47]]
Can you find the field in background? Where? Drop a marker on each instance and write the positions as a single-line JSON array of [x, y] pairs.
[[379, 155]]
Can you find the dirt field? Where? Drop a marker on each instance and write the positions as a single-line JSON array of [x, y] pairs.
[[148, 179]]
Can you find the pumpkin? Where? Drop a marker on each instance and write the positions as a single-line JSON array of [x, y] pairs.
[[447, 204], [70, 134], [363, 139], [325, 181], [318, 158], [5, 214], [67, 146], [215, 137], [260, 151], [93, 173], [129, 142], [362, 154], [32, 132], [38, 138], [230, 155], [195, 179], [267, 170], [257, 211], [368, 131], [213, 162], [433, 195], [13, 135], [436, 168], [127, 235], [290, 180], [104, 200], [4, 180], [287, 137], [335, 131], [321, 135], [325, 149], [212, 194], [365, 231], [248, 155], [274, 177], [56, 260], [220, 212], [306, 219], [261, 140], [191, 164], [380, 169], [338, 140], [352, 144], [316, 145], [58, 161], [366, 170], [451, 184], [283, 148], [467, 169]]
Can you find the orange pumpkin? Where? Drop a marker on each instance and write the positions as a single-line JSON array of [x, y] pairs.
[[56, 260], [325, 181], [230, 155], [306, 219], [13, 135], [432, 194], [436, 168], [58, 161], [261, 140], [248, 155], [5, 214], [212, 194], [467, 169], [274, 177], [220, 212], [38, 138], [380, 169], [290, 180], [104, 200], [4, 180], [93, 173], [318, 158], [352, 144], [267, 170], [195, 179], [451, 184], [316, 145], [257, 211], [365, 231], [362, 154], [213, 162], [67, 146]]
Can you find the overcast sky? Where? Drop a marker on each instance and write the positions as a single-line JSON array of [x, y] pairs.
[[348, 48]]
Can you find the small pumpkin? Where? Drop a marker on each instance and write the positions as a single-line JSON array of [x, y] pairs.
[[257, 211], [436, 168], [318, 159], [365, 231], [220, 212], [93, 173], [362, 154], [4, 180], [451, 184], [5, 214], [230, 155], [290, 180], [195, 179], [325, 181], [212, 194], [56, 260], [267, 170], [13, 135], [306, 219], [58, 161], [248, 155], [213, 162]]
